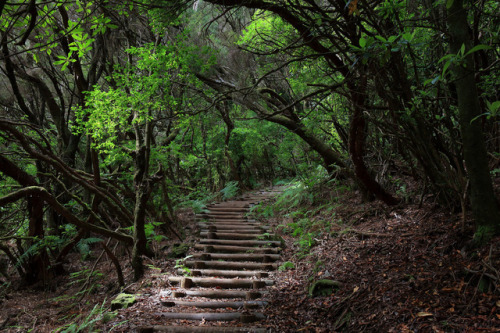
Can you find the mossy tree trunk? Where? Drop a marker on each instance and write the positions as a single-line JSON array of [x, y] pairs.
[[142, 192], [483, 202]]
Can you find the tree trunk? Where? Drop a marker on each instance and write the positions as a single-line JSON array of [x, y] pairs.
[[36, 266], [331, 159], [483, 202], [356, 146], [142, 192]]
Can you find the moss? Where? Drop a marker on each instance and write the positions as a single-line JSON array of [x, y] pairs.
[[179, 251], [483, 235], [123, 301], [323, 287]]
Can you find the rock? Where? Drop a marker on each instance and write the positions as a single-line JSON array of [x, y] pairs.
[[178, 251], [324, 287], [123, 301]]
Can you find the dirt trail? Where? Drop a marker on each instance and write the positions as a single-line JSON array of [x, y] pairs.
[[229, 272]]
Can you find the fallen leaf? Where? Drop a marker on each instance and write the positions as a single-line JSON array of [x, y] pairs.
[[424, 314]]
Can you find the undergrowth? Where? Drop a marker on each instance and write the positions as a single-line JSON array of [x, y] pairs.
[[307, 208]]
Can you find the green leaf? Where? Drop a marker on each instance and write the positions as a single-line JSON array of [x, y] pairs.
[[462, 49], [478, 48], [494, 107], [448, 56], [449, 3], [362, 42], [446, 65]]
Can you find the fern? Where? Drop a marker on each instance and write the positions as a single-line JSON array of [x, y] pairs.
[[88, 323], [231, 190], [83, 246]]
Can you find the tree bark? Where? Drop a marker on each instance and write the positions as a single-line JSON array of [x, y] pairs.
[[36, 267], [356, 146], [482, 197]]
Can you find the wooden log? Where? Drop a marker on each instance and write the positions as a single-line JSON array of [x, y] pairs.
[[226, 273], [246, 231], [240, 242], [229, 209], [223, 216], [216, 304], [236, 249], [230, 204], [199, 329], [232, 224], [249, 295], [221, 283], [237, 256], [199, 264], [233, 220], [233, 236], [212, 316], [220, 225]]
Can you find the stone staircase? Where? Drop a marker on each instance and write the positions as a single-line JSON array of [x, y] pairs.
[[229, 272]]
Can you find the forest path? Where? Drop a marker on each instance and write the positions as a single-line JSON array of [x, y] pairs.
[[229, 272]]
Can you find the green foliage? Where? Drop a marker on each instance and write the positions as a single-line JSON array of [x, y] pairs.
[[83, 246], [50, 243], [87, 278], [150, 230], [87, 323], [180, 264], [286, 265], [179, 250], [265, 24], [231, 190]]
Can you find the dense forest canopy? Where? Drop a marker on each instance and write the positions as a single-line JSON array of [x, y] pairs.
[[114, 113]]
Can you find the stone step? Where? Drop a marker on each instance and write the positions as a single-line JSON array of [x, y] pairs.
[[237, 257], [234, 236], [200, 264], [218, 294], [186, 282], [240, 242], [226, 273], [215, 304], [235, 249]]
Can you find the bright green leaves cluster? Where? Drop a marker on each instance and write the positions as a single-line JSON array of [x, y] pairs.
[[266, 32], [106, 115], [142, 92]]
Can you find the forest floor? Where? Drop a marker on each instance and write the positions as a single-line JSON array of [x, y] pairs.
[[402, 269]]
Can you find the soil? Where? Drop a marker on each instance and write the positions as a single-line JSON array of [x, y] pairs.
[[402, 269]]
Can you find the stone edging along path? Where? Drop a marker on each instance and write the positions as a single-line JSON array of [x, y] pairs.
[[229, 271]]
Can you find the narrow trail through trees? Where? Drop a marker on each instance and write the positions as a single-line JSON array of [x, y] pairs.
[[228, 273]]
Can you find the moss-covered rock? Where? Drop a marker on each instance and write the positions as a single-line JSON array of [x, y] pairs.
[[178, 251], [323, 287], [123, 301]]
